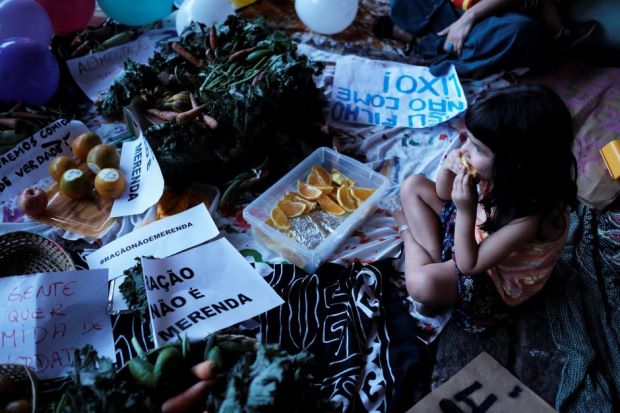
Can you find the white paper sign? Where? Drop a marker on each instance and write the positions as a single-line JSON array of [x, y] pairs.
[[393, 94], [203, 290], [45, 317], [28, 161], [94, 73], [161, 238], [145, 182]]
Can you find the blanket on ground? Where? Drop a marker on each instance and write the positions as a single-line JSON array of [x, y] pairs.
[[584, 314]]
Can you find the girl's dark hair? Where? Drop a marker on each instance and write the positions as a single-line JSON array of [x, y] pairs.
[[529, 129]]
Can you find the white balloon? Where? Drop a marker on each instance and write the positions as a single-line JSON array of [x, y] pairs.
[[209, 12], [326, 16]]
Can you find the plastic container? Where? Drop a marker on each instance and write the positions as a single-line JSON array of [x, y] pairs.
[[259, 210]]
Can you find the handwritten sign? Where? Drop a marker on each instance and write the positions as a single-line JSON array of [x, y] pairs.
[[393, 94], [145, 182], [94, 73], [203, 290], [482, 386], [28, 161], [46, 317]]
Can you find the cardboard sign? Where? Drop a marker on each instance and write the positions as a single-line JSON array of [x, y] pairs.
[[94, 73], [203, 290], [28, 161], [160, 239], [145, 182], [393, 94], [482, 386], [45, 317]]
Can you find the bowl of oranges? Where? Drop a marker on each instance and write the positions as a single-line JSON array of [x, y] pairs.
[[313, 209]]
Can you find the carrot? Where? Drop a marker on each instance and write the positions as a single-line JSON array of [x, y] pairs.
[[213, 38], [208, 120], [28, 115], [189, 398], [210, 55], [185, 54], [9, 123], [204, 370], [163, 114], [190, 115], [241, 53]]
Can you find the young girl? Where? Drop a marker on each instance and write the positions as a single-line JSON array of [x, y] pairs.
[[488, 233]]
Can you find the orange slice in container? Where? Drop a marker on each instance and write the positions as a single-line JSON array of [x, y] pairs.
[[309, 192], [341, 179], [361, 194], [280, 220], [269, 222], [330, 206], [292, 208], [345, 199], [292, 196], [322, 174], [326, 190]]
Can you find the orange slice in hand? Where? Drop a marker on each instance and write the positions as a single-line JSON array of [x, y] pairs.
[[309, 192], [280, 220], [322, 175], [361, 194], [330, 206], [292, 208], [345, 199]]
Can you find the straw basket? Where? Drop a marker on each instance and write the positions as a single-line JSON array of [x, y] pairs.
[[24, 381], [29, 253]]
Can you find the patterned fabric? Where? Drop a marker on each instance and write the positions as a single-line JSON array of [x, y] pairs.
[[525, 271], [479, 306], [583, 311], [353, 321]]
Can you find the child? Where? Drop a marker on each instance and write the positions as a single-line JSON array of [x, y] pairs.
[[491, 251]]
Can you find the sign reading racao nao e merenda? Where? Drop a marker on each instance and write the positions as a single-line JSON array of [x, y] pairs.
[[393, 94], [203, 290]]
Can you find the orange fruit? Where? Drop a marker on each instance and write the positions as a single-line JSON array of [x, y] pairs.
[[345, 199], [308, 191], [322, 174], [292, 208], [269, 222], [330, 206], [75, 183], [292, 196], [326, 190], [361, 194], [83, 143], [280, 220], [341, 179], [103, 156], [59, 165], [110, 183], [315, 180]]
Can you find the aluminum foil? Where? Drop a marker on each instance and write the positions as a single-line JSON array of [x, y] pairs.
[[311, 229]]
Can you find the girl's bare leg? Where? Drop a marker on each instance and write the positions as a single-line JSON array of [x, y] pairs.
[[428, 282], [422, 206]]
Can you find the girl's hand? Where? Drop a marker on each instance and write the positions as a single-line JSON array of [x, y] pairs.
[[453, 162], [457, 33], [464, 193]]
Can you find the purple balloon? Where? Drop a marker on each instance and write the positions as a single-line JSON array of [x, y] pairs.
[[29, 72], [25, 18]]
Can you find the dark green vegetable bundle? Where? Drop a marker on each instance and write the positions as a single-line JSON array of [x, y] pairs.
[[226, 98]]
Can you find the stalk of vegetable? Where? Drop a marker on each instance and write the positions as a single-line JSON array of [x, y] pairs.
[[185, 54]]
